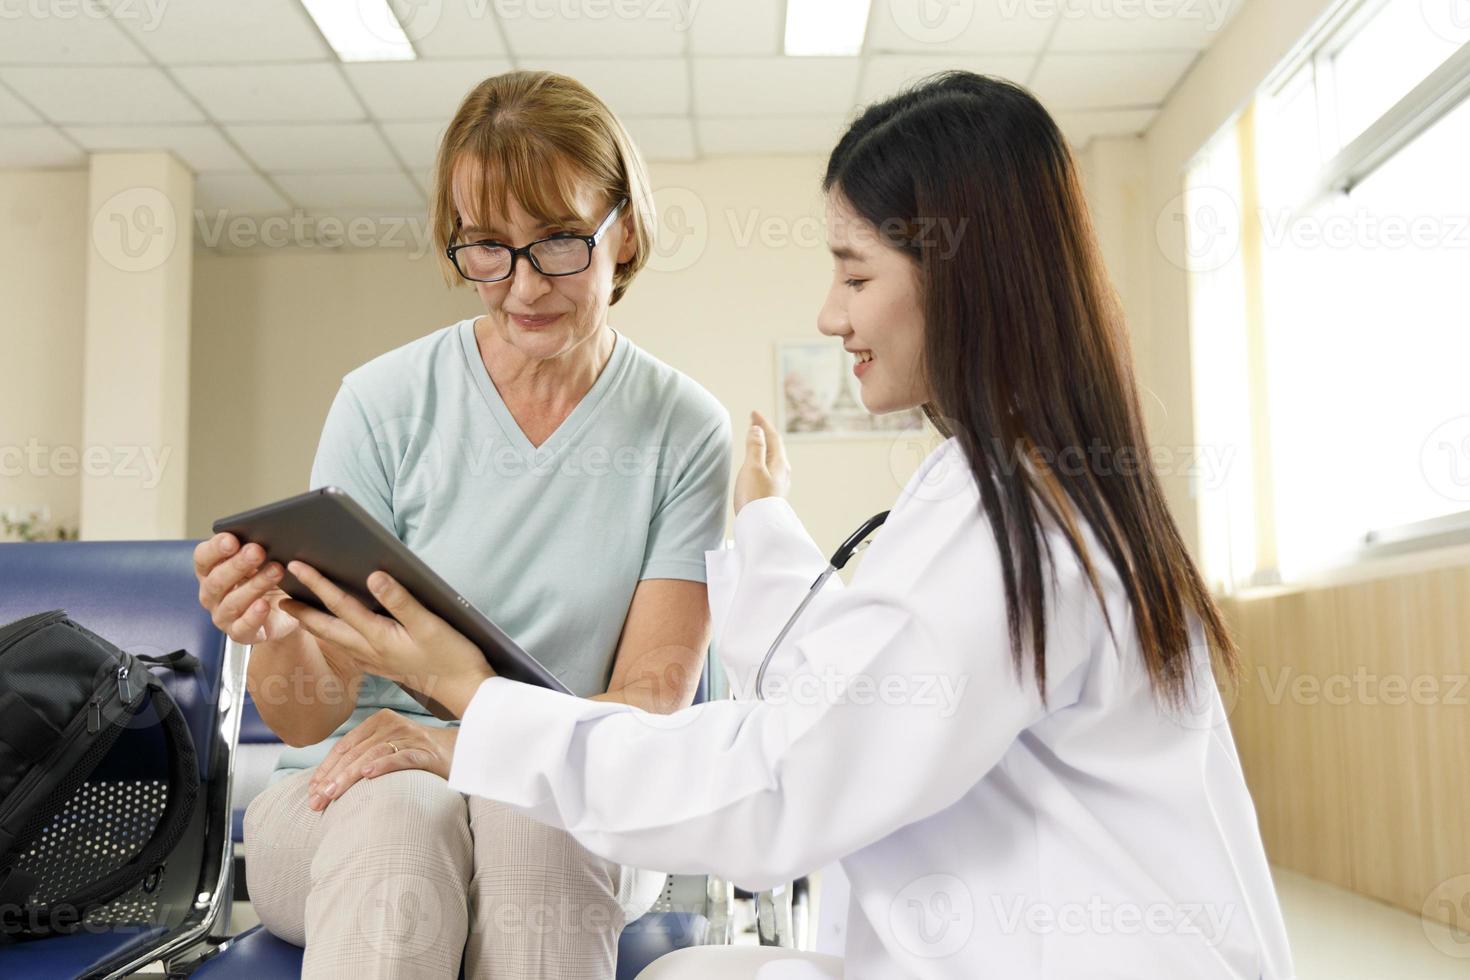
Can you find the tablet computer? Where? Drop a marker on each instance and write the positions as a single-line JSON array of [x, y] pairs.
[[332, 533]]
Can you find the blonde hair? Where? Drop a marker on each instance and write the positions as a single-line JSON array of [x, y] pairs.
[[536, 136]]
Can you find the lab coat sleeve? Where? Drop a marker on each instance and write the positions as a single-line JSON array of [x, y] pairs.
[[755, 586], [903, 698]]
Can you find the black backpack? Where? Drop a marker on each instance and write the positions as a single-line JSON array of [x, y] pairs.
[[69, 845]]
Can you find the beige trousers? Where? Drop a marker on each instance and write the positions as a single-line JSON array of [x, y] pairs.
[[402, 876]]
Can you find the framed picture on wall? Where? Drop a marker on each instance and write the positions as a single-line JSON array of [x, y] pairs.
[[818, 396]]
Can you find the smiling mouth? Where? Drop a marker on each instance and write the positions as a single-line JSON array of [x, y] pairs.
[[534, 320]]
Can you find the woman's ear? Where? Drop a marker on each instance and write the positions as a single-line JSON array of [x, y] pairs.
[[630, 239]]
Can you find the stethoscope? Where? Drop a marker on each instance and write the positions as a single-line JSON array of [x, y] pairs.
[[855, 543]]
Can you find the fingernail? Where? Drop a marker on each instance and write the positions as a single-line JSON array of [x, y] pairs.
[[273, 573], [314, 801], [329, 790], [227, 545]]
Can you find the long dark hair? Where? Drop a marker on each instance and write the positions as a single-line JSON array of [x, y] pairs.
[[1026, 353]]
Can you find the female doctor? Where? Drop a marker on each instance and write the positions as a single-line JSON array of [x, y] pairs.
[[1006, 728]]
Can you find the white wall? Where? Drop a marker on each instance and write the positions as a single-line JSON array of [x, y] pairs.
[[43, 250]]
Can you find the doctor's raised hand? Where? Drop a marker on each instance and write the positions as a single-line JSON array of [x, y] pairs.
[[766, 471], [411, 646]]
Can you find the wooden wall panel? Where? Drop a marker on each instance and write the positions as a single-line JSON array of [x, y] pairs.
[[1353, 723]]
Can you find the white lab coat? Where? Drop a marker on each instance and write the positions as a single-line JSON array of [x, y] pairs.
[[984, 834]]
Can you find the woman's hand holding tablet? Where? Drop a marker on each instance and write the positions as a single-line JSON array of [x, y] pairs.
[[411, 646]]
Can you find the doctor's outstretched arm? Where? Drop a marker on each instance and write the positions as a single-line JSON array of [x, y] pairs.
[[905, 695]]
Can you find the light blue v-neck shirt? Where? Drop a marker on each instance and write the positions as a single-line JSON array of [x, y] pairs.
[[550, 541]]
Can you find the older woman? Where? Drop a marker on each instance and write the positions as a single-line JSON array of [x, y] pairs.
[[560, 477]]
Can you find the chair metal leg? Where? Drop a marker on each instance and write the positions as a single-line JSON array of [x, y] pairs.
[[782, 915], [719, 909]]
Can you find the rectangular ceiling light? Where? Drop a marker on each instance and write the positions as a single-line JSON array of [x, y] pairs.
[[826, 27], [361, 30]]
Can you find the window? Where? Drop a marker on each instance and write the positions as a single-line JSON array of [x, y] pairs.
[[1381, 58], [1336, 345], [1367, 323], [1222, 408]]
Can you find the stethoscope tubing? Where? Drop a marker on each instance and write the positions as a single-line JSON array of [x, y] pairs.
[[850, 547]]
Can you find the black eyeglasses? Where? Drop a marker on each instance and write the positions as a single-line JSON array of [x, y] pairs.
[[559, 255]]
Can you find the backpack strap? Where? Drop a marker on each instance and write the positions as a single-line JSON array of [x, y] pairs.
[[181, 660]]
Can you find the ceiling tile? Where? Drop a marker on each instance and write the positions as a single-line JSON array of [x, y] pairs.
[[886, 74], [643, 87], [201, 32], [1113, 81], [110, 96], [383, 191], [990, 26], [776, 86], [13, 110], [272, 93], [752, 27], [594, 29], [760, 135], [86, 38], [662, 138], [201, 147], [418, 90], [236, 193], [26, 147], [315, 147], [456, 29], [1081, 128], [1143, 26], [416, 142]]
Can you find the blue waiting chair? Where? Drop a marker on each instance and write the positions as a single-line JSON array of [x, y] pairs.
[[693, 909], [141, 595]]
